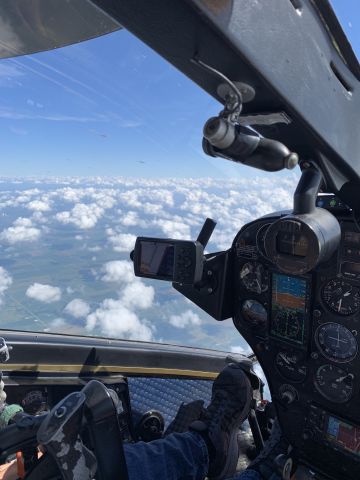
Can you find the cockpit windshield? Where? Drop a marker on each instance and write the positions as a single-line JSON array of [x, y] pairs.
[[348, 14], [101, 142]]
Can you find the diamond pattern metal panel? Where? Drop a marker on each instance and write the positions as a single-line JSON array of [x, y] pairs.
[[166, 394]]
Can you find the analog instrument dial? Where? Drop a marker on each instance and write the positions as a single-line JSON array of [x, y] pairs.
[[341, 297], [334, 383], [336, 342], [291, 366], [254, 277]]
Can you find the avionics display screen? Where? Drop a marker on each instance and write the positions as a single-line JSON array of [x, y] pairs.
[[343, 434], [288, 308], [294, 244], [157, 259]]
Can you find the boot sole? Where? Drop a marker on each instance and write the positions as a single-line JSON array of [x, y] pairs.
[[233, 451]]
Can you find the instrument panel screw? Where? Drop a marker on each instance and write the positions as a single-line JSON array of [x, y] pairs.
[[317, 313], [314, 355], [210, 290], [209, 273]]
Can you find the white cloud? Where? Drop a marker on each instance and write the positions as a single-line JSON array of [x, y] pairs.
[[185, 319], [82, 215], [118, 271], [130, 219], [38, 206], [21, 231], [121, 242], [115, 320], [5, 282], [58, 323], [137, 295], [77, 308], [44, 293], [174, 229]]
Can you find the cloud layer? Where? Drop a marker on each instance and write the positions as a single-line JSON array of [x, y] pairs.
[[78, 233]]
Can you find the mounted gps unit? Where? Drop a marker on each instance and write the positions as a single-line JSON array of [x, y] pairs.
[[177, 261]]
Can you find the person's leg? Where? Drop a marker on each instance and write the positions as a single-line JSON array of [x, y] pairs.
[[209, 448], [179, 456]]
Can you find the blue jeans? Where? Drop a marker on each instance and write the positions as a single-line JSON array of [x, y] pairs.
[[179, 456]]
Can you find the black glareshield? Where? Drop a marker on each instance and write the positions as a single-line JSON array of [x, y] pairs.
[[178, 261]]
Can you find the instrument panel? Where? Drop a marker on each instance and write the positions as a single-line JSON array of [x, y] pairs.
[[304, 332]]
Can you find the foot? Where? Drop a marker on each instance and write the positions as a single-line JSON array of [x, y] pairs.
[[229, 407], [186, 415]]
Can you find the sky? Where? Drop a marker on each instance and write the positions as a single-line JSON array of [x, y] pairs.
[[111, 106]]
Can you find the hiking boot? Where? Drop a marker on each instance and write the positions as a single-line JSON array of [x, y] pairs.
[[186, 415], [219, 426]]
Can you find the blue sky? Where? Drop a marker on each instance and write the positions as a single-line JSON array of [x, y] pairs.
[[109, 107]]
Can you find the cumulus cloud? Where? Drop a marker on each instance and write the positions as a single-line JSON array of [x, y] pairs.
[[44, 293], [22, 230], [121, 242], [57, 323], [82, 215], [185, 319], [174, 229], [137, 295], [115, 320], [5, 282], [77, 308], [39, 206], [118, 317], [118, 271]]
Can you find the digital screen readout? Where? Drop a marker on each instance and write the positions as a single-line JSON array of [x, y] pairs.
[[288, 308], [343, 434], [157, 259]]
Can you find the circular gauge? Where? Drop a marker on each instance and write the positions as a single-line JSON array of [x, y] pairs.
[[254, 277], [341, 297], [260, 239], [290, 366], [336, 342], [334, 383], [254, 315]]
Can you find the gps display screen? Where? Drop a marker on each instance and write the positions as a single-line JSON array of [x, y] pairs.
[[342, 434], [157, 259]]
